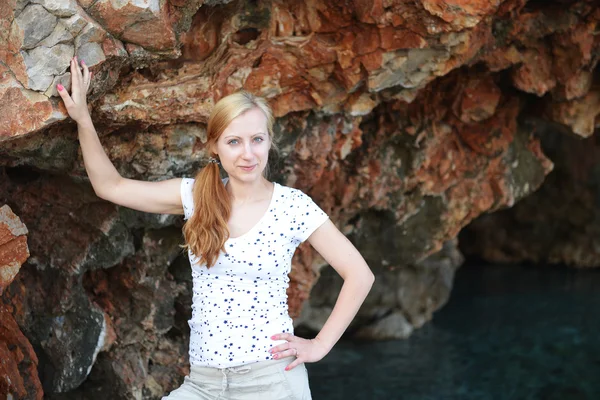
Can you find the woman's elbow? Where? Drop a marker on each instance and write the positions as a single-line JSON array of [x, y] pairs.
[[103, 194], [365, 278], [370, 279]]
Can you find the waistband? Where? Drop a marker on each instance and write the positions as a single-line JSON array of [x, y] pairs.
[[241, 369]]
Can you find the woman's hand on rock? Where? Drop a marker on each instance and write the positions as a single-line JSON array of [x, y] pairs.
[[76, 103]]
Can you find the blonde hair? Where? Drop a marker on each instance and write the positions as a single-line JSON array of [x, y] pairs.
[[206, 231]]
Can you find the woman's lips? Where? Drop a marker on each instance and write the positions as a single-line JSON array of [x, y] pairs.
[[248, 169]]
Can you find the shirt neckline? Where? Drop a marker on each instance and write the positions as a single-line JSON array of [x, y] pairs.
[[264, 216]]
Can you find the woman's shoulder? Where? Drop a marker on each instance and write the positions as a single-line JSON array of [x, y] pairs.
[[293, 196], [288, 191]]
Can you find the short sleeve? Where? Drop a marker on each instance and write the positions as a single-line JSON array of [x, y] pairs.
[[187, 198], [308, 216]]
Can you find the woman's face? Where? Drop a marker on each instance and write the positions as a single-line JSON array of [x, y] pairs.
[[243, 147]]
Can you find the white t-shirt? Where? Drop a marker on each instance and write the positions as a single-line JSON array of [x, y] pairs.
[[241, 301]]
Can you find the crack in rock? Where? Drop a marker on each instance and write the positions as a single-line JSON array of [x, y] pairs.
[[36, 24], [44, 63], [60, 35]]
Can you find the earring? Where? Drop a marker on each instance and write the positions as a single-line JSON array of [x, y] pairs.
[[213, 160]]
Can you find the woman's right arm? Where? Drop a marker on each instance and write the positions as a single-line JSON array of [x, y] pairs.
[[154, 197]]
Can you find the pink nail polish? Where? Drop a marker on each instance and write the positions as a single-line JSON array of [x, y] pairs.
[[60, 87], [82, 62]]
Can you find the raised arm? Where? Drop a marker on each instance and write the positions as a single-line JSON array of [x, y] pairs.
[[154, 197]]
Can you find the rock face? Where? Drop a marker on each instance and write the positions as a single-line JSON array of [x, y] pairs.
[[404, 120], [18, 361], [559, 223]]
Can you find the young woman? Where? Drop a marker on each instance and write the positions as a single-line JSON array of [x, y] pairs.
[[241, 234]]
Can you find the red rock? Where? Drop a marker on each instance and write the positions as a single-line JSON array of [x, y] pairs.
[[369, 11], [366, 39], [502, 58], [535, 75], [18, 368], [13, 121], [372, 61], [283, 22], [292, 101], [478, 100], [113, 48], [202, 38], [394, 39], [461, 13], [580, 115], [144, 26], [385, 108], [13, 246], [18, 365], [576, 86]]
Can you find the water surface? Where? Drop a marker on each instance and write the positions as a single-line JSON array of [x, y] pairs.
[[507, 332]]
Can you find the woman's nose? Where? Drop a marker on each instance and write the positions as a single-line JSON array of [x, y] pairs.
[[247, 151]]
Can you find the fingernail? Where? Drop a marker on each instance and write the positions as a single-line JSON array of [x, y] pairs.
[[59, 86], [82, 62]]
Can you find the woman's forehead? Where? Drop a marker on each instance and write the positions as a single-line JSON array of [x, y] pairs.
[[249, 123]]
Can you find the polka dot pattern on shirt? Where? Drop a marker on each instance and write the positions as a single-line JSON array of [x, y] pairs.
[[240, 302]]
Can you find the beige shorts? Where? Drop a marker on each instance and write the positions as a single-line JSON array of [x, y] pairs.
[[265, 380]]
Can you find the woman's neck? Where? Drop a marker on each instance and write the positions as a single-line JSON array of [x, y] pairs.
[[249, 192]]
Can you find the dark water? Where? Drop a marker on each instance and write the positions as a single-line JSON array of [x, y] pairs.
[[508, 332]]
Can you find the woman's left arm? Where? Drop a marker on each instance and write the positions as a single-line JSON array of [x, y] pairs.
[[341, 254]]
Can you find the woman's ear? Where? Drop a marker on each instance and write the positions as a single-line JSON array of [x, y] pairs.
[[212, 150]]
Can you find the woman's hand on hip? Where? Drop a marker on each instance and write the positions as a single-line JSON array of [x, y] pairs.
[[305, 350], [76, 103]]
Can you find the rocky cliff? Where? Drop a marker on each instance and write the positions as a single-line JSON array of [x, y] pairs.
[[405, 120]]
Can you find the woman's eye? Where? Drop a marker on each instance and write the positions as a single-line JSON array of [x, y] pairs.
[[258, 139], [233, 141]]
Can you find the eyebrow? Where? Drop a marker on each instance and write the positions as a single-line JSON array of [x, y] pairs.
[[236, 136]]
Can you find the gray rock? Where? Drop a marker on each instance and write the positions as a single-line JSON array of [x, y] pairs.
[[146, 10], [64, 79], [109, 249], [70, 342], [60, 35], [60, 8], [19, 6], [91, 33], [74, 24], [40, 83], [91, 53], [409, 69], [43, 63], [36, 24], [405, 293], [393, 326]]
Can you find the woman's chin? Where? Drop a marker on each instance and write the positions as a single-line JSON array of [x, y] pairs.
[[247, 177]]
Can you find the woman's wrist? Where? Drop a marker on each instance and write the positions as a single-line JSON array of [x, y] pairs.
[[323, 344], [85, 122]]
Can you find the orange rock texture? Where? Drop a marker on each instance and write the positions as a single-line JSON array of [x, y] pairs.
[[404, 120]]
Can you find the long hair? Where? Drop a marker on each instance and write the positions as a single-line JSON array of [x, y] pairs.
[[206, 231]]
